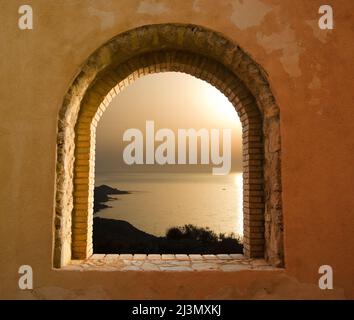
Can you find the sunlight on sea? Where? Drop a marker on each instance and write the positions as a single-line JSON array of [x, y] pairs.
[[162, 200]]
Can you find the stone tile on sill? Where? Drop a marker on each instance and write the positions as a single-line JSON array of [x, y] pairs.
[[234, 267], [154, 256], [210, 256], [176, 268], [205, 266], [97, 256], [182, 256], [224, 256], [168, 257], [175, 263], [131, 268], [126, 256], [111, 257], [196, 257], [147, 266], [139, 257]]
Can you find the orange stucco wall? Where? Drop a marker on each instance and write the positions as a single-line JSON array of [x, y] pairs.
[[311, 75]]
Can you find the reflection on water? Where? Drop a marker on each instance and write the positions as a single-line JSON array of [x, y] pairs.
[[163, 200]]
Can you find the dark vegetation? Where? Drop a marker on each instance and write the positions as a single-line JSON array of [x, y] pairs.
[[117, 236]]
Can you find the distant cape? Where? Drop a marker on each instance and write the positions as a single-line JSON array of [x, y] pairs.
[[101, 195]]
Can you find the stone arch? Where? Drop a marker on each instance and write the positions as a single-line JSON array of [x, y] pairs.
[[204, 54]]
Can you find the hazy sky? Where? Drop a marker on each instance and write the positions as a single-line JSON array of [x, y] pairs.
[[172, 100]]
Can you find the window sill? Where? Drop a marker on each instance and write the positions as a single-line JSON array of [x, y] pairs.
[[168, 262]]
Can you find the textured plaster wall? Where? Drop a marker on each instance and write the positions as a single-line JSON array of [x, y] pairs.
[[311, 75]]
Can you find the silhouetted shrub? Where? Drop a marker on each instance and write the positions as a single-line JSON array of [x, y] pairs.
[[199, 239], [174, 233]]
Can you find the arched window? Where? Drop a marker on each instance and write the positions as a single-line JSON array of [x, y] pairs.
[[158, 48]]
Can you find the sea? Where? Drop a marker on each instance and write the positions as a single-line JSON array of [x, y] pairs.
[[159, 201]]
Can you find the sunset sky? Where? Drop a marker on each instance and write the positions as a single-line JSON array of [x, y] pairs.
[[172, 100]]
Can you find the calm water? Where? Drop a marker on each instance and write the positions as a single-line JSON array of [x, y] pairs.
[[162, 200]]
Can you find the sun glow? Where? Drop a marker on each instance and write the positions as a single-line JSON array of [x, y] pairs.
[[217, 101]]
